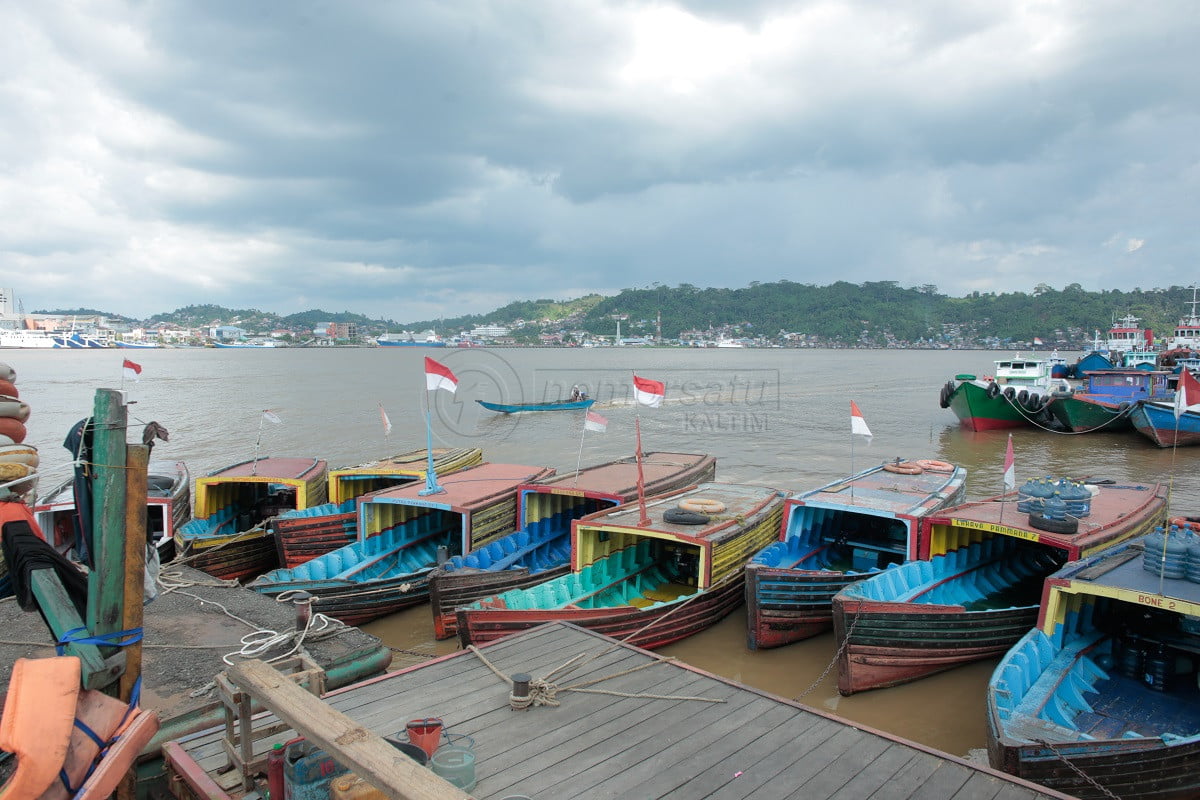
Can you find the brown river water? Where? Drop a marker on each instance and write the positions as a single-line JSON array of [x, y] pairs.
[[775, 417]]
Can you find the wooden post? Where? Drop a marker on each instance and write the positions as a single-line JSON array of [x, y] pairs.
[[137, 464], [106, 583]]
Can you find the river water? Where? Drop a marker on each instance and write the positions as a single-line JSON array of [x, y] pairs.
[[776, 418]]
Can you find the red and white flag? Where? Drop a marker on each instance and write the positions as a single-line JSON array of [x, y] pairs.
[[131, 370], [387, 423], [1010, 471], [1187, 393], [1038, 341], [439, 376], [648, 392], [271, 416], [595, 422], [857, 423]]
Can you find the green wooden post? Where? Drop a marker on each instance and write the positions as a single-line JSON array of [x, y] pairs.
[[106, 583]]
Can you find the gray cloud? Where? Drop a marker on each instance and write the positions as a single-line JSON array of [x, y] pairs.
[[422, 159]]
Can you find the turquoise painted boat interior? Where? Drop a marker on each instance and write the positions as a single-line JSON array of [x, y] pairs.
[[633, 576], [323, 510], [995, 573], [1090, 680], [837, 540], [403, 549], [543, 543], [219, 524]]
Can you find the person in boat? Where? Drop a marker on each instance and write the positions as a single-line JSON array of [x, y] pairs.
[[577, 394]]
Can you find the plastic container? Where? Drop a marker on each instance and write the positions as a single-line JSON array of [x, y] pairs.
[[275, 773], [1166, 560], [456, 765], [425, 733], [1159, 669], [308, 771]]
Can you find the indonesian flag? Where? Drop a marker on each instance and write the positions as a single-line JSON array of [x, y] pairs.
[[439, 376], [595, 422], [1010, 472], [387, 423], [271, 416], [131, 370], [1036, 340], [1187, 393], [857, 423], [648, 392]]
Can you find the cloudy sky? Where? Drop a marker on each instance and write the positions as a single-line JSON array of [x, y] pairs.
[[410, 159]]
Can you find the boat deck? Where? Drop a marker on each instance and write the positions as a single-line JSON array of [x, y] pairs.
[[882, 492], [661, 743], [268, 467], [1127, 704]]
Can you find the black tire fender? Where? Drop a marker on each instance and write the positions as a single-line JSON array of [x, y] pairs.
[[679, 516], [1054, 525], [993, 390]]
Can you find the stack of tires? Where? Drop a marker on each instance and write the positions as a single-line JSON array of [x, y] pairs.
[[17, 460]]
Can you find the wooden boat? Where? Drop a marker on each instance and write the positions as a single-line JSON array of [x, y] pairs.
[[1155, 419], [303, 534], [1107, 399], [541, 548], [228, 536], [400, 531], [978, 585], [650, 584], [515, 408], [840, 533], [1101, 698], [1016, 396], [168, 508]]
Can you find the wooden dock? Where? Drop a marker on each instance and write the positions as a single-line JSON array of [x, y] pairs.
[[649, 733]]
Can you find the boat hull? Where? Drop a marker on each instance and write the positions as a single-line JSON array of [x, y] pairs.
[[648, 628], [978, 411], [1084, 414], [787, 605], [516, 408], [894, 643], [356, 603], [1158, 424]]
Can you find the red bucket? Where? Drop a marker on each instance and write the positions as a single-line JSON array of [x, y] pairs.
[[425, 733]]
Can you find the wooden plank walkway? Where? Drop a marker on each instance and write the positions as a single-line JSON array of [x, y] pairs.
[[657, 745]]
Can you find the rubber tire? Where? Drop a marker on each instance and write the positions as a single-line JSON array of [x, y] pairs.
[[993, 390], [1010, 393], [944, 397], [1053, 525], [1023, 398], [678, 516]]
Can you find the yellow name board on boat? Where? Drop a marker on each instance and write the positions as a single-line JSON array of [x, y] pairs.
[[570, 492], [992, 527]]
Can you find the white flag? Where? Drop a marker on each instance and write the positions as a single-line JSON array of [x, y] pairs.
[[271, 416]]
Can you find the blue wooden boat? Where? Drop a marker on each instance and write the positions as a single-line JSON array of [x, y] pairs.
[[1108, 398], [541, 549], [1101, 699], [514, 408], [400, 531], [1156, 421], [835, 535], [977, 587]]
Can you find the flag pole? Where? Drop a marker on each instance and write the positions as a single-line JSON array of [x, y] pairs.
[[257, 442], [431, 484], [644, 520], [579, 457]]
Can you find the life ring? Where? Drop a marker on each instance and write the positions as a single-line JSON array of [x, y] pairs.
[[1184, 522], [19, 454], [903, 467], [14, 408], [8, 388], [679, 516], [702, 505], [932, 465], [14, 471], [13, 429], [1069, 525]]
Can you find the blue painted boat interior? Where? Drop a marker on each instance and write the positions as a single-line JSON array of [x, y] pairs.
[[1095, 677], [404, 549], [639, 575], [997, 572], [836, 540], [542, 544]]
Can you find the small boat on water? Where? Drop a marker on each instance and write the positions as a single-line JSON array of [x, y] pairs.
[[168, 508], [1016, 395], [400, 533], [1156, 420], [228, 536], [840, 533], [541, 548], [1107, 399], [977, 587], [303, 534], [647, 583], [516, 408], [1100, 699]]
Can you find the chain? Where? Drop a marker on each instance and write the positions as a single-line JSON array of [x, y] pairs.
[[841, 649], [1103, 790]]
